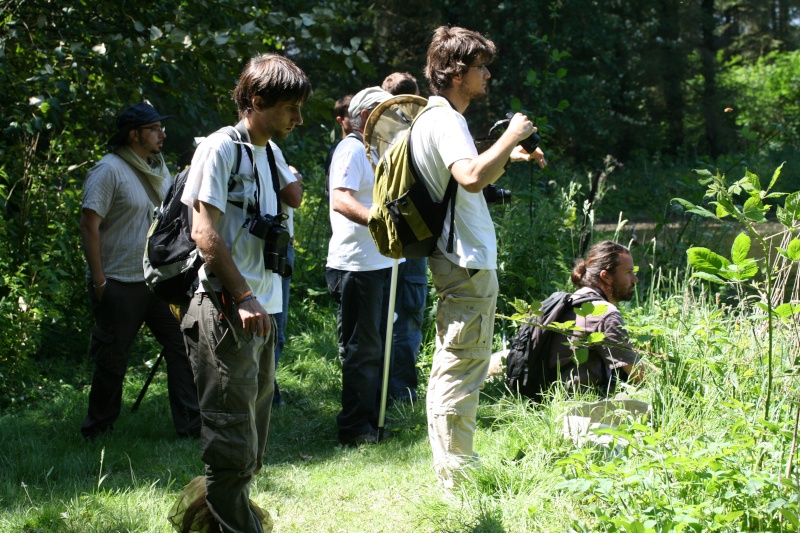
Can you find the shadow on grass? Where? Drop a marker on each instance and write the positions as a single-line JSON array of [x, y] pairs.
[[46, 459]]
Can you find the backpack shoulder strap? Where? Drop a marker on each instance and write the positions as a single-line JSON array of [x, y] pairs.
[[579, 299], [235, 134], [241, 137], [553, 306], [452, 185], [273, 169]]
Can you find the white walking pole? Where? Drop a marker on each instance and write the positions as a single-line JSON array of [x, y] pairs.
[[387, 355]]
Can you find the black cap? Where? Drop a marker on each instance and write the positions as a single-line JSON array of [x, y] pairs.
[[133, 117]]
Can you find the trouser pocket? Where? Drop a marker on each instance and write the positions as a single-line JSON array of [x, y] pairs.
[[227, 440], [466, 325]]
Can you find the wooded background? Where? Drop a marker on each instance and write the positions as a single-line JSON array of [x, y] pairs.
[[650, 82]]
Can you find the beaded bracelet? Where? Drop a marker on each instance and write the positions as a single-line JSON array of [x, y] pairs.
[[251, 296]]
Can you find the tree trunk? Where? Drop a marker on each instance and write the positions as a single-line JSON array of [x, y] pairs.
[[709, 100]]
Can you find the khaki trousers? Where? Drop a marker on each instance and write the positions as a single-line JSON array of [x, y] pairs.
[[464, 330]]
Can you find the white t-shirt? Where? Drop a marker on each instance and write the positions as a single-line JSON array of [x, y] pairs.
[[207, 181], [285, 177], [440, 138], [351, 246]]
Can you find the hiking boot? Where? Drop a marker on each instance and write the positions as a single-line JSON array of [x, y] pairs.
[[369, 437]]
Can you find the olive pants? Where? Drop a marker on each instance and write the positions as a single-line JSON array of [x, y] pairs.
[[235, 384]]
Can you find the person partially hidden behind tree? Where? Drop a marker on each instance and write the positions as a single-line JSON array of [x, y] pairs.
[[608, 272], [118, 199]]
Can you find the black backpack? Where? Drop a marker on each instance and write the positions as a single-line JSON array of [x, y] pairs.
[[171, 259], [527, 371]]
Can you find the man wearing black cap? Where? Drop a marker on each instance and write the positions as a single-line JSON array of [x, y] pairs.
[[118, 199]]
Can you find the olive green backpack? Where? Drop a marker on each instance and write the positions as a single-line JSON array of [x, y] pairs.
[[404, 220]]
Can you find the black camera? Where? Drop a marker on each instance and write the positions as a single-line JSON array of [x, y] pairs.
[[495, 195], [529, 143], [275, 235]]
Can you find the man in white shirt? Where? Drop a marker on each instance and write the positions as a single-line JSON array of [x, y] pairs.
[[228, 326], [358, 277], [465, 278]]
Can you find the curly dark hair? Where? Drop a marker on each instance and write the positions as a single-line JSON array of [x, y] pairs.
[[451, 53]]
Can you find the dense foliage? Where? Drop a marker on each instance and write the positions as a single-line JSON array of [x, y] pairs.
[[708, 457], [644, 81]]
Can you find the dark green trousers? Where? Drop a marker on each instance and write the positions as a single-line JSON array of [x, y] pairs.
[[235, 384]]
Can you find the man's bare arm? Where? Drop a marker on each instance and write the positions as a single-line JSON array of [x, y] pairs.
[[292, 194], [346, 205], [475, 174], [90, 231], [218, 258]]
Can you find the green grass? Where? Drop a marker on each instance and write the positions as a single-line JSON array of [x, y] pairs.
[[705, 460]]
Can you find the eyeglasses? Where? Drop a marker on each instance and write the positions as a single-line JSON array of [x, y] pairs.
[[162, 129], [481, 66]]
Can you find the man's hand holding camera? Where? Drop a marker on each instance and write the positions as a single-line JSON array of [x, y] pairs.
[[522, 127]]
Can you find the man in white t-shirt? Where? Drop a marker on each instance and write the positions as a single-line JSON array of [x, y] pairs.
[[228, 327], [465, 278], [358, 277]]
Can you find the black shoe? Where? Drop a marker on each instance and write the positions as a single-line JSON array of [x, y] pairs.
[[369, 437], [91, 434]]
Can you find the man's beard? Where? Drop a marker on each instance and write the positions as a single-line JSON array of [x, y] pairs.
[[624, 296], [474, 95]]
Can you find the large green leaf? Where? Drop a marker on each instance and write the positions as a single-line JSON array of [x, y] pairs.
[[786, 310], [740, 271], [591, 309], [709, 277], [754, 209], [596, 337], [792, 207], [775, 176], [793, 250], [740, 248], [750, 183], [704, 260], [783, 216], [694, 209]]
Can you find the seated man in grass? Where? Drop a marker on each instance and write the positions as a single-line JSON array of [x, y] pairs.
[[609, 273]]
